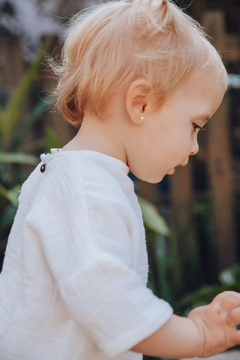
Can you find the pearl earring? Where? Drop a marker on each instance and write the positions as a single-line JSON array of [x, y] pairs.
[[141, 118]]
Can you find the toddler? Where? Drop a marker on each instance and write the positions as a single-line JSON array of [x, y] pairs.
[[140, 80]]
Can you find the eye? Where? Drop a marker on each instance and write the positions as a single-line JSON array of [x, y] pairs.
[[197, 127]]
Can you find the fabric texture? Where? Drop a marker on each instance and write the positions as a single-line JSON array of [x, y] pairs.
[[73, 285]]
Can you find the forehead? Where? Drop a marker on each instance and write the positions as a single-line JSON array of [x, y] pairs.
[[203, 90], [197, 99], [204, 82]]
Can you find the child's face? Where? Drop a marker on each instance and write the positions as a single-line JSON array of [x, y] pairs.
[[167, 137]]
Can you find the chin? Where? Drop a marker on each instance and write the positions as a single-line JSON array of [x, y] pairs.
[[151, 179]]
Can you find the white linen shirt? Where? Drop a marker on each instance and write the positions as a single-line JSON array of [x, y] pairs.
[[73, 285]]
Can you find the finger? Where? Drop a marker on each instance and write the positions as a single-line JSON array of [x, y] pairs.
[[233, 318], [231, 302], [220, 298], [235, 338]]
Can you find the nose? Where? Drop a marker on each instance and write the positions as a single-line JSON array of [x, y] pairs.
[[195, 147]]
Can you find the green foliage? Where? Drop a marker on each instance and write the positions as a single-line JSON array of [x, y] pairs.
[[230, 276], [156, 231], [11, 195], [166, 278], [14, 157], [229, 281], [162, 257], [153, 221], [51, 136], [9, 115], [18, 158]]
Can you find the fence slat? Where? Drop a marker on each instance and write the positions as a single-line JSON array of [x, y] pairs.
[[219, 163]]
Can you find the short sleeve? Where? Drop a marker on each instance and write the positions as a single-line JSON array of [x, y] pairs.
[[87, 231]]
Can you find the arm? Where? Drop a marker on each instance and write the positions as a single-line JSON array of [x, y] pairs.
[[208, 330]]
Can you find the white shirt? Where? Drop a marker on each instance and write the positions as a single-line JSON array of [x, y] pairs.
[[73, 285]]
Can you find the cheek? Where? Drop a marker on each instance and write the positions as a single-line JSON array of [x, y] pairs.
[[183, 145]]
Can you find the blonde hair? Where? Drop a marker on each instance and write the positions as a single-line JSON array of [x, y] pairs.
[[117, 42]]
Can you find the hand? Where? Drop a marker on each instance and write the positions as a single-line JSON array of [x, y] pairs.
[[217, 323]]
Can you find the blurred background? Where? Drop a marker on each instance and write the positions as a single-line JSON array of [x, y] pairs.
[[192, 219]]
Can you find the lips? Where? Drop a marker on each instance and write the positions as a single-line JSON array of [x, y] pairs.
[[172, 171]]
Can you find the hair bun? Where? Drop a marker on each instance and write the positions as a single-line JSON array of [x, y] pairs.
[[164, 3]]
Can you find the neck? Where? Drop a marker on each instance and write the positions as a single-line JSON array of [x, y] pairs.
[[99, 135]]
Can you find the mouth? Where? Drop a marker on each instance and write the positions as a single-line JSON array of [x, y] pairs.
[[172, 171]]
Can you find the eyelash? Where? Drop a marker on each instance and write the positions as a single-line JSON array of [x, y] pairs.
[[197, 127]]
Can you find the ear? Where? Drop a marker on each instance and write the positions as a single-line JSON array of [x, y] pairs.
[[138, 99]]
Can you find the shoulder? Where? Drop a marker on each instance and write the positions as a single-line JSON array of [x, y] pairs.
[[83, 196], [89, 169], [68, 175]]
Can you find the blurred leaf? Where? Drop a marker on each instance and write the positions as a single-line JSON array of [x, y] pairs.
[[3, 245], [206, 295], [33, 146], [230, 276], [4, 174], [10, 114], [36, 113], [52, 139], [162, 264], [18, 158], [152, 219], [7, 217], [12, 194]]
